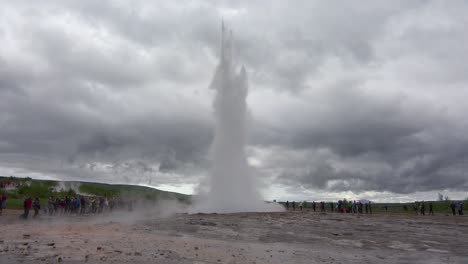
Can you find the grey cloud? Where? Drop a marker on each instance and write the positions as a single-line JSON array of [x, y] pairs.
[[363, 97]]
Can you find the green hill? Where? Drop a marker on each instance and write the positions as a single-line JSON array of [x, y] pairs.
[[17, 188]]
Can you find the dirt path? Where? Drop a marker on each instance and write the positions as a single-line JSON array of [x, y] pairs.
[[291, 237]]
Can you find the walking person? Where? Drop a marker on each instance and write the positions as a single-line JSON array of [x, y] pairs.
[[287, 205], [431, 212], [460, 208], [294, 206], [313, 205]]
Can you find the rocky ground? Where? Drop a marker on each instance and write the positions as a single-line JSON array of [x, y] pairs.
[[289, 237]]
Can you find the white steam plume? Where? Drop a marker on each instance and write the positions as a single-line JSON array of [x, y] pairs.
[[231, 186]]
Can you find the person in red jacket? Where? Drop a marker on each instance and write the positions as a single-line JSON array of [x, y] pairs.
[[27, 206], [3, 202]]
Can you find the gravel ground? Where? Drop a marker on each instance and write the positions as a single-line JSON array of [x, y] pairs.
[[288, 237]]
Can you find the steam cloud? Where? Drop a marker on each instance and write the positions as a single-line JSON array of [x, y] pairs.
[[231, 186]]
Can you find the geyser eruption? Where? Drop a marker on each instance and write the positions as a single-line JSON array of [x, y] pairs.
[[231, 186]]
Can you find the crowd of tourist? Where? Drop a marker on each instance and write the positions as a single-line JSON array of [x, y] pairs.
[[55, 206], [359, 207], [340, 206]]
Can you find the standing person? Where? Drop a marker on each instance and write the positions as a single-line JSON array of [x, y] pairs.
[[367, 208], [67, 204], [331, 207], [106, 204], [287, 205], [301, 205], [92, 202], [77, 204], [111, 204], [57, 205], [452, 206], [423, 208], [460, 208], [36, 207], [370, 208], [62, 206], [431, 212], [50, 205], [386, 208], [27, 204], [101, 204], [294, 205], [322, 206], [83, 205], [3, 202], [313, 205]]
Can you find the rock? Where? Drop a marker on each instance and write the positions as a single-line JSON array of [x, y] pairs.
[[196, 248], [137, 253], [208, 224], [26, 235], [118, 251], [99, 248], [59, 259], [51, 244]]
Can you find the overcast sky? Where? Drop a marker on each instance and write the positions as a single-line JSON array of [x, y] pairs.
[[347, 99]]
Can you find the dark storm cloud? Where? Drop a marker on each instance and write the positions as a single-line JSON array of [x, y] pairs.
[[344, 96]]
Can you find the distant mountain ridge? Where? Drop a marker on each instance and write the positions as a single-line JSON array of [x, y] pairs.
[[19, 187]]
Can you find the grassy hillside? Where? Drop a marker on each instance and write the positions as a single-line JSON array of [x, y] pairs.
[[27, 187]]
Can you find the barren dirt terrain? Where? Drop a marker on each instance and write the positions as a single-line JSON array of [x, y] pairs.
[[288, 237]]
